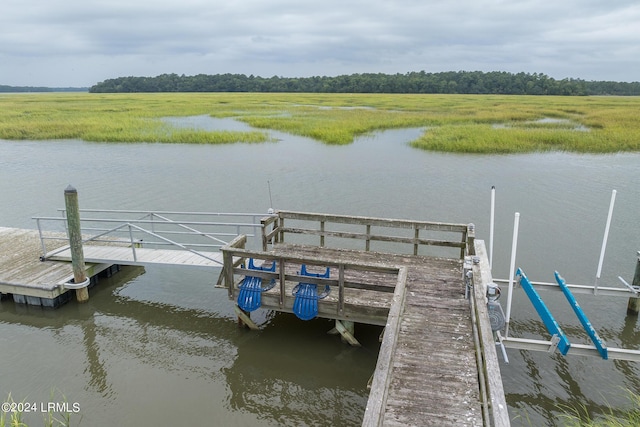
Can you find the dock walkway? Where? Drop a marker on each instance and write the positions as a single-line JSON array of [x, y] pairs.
[[141, 256], [434, 375], [34, 278], [31, 271]]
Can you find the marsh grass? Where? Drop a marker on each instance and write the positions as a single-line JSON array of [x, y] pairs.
[[107, 119], [453, 123], [13, 418], [50, 419], [581, 416], [485, 138]]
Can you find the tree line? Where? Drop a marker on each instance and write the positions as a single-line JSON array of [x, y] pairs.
[[452, 82]]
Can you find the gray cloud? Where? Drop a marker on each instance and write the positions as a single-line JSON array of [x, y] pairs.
[[81, 42]]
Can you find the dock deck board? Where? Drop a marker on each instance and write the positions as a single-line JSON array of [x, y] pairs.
[[22, 272], [434, 378]]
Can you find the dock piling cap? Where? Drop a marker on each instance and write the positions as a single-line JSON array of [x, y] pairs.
[[70, 189]]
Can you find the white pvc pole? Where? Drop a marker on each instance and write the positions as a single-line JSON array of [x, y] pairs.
[[491, 222], [512, 267], [604, 239]]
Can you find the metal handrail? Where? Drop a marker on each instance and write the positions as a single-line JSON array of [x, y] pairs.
[[146, 212], [133, 246], [151, 221], [154, 218]]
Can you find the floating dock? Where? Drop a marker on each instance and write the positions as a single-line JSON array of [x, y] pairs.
[[28, 280]]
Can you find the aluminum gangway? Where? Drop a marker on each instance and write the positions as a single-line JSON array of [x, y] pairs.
[[138, 237]]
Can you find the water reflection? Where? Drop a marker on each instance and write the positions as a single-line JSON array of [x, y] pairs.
[[274, 376], [290, 373], [122, 340], [96, 369], [544, 387]]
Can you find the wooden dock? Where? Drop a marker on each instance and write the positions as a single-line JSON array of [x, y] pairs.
[[425, 282], [34, 278], [437, 364]]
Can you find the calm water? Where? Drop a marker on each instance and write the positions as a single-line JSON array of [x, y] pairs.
[[160, 346]]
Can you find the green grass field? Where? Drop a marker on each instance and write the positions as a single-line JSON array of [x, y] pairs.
[[453, 123]]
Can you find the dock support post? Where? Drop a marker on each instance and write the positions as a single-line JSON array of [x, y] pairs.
[[347, 331], [75, 242], [244, 319], [633, 307]]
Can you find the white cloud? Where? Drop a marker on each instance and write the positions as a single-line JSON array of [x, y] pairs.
[[81, 42]]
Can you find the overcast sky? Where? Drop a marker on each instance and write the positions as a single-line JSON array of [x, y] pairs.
[[82, 42]]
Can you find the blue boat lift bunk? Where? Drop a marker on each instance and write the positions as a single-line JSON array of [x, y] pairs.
[[586, 324], [559, 338]]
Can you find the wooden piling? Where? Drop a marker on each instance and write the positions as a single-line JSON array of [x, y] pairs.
[[347, 331], [244, 319], [633, 307], [75, 241]]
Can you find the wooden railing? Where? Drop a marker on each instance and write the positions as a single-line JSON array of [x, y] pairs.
[[235, 257], [377, 402], [494, 404], [367, 229]]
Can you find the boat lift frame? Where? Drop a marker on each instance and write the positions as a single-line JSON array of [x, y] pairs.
[[559, 340]]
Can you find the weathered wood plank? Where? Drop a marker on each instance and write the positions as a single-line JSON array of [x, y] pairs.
[[382, 222], [433, 376], [22, 272], [497, 401], [374, 237], [377, 402]]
